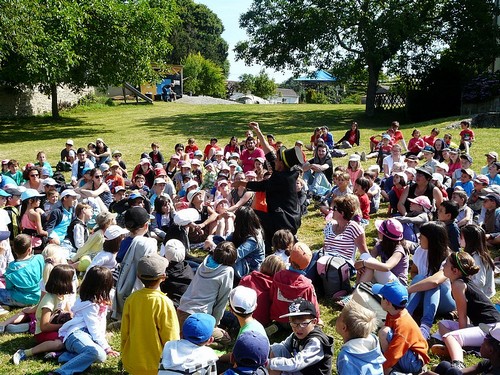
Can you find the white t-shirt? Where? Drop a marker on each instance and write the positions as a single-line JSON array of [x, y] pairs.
[[104, 259]]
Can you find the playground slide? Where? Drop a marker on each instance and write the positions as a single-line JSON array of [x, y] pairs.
[[129, 87]]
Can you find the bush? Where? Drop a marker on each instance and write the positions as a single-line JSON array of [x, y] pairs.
[[352, 99], [315, 97], [92, 99]]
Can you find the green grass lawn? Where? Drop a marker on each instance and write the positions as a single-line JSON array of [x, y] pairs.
[[132, 128]]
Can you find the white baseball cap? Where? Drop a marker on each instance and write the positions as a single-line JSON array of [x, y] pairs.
[[243, 300]]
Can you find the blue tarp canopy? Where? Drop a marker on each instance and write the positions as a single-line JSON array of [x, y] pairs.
[[318, 76]]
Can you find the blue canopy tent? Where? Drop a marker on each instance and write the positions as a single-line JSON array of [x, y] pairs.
[[319, 80], [319, 76]]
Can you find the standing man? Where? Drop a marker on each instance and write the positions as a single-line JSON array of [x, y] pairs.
[[281, 194]]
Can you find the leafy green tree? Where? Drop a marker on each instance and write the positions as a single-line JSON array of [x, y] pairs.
[[247, 83], [199, 30], [203, 77], [264, 86], [260, 85], [303, 33], [87, 43]]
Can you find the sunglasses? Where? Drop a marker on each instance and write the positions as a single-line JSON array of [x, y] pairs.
[[34, 175], [98, 176]]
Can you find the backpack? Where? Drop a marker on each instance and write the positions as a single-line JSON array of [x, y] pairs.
[[334, 273], [363, 295], [15, 221], [63, 166]]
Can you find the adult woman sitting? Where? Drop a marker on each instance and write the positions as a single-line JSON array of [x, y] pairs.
[[240, 196], [32, 176], [350, 138], [207, 221], [430, 288], [318, 171], [248, 238], [231, 147], [344, 234], [102, 153], [314, 139], [422, 186], [96, 188]]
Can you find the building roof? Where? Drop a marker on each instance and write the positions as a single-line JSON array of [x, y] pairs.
[[286, 92]]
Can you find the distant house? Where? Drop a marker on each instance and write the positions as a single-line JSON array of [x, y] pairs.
[[284, 96]]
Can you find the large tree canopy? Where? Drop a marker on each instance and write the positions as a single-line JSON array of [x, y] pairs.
[[303, 33], [86, 42], [199, 31]]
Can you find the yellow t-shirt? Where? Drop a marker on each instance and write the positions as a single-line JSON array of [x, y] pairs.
[[149, 320]]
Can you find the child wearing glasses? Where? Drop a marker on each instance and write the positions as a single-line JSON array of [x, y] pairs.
[[308, 349]]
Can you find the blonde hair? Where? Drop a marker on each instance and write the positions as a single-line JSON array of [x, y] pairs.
[[53, 255], [360, 321], [271, 265]]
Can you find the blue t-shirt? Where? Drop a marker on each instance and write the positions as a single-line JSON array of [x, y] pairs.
[[22, 279]]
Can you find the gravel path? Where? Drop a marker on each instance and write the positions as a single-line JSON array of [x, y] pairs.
[[203, 100]]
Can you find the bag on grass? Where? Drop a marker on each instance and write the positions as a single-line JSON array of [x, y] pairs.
[[334, 273], [363, 295]]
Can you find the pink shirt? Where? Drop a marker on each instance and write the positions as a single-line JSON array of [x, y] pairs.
[[248, 158]]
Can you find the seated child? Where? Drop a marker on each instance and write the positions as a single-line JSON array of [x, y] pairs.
[[404, 347], [292, 283], [191, 354], [420, 213], [52, 311], [282, 244], [209, 291], [261, 281], [308, 349], [447, 213], [361, 187], [113, 237], [179, 272], [23, 275], [242, 303], [149, 319], [465, 213], [360, 353], [490, 351], [250, 354]]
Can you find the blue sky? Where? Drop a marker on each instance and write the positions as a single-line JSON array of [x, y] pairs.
[[229, 12]]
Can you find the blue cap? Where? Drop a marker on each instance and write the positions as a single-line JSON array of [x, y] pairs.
[[429, 149], [30, 193], [251, 349], [3, 193], [198, 328], [135, 195], [394, 292]]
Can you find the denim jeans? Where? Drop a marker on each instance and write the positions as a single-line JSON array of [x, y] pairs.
[[410, 362], [436, 300], [82, 352]]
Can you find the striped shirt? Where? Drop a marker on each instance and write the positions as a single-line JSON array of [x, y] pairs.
[[342, 244]]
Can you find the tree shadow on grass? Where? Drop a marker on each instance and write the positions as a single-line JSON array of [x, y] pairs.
[[44, 128], [227, 123]]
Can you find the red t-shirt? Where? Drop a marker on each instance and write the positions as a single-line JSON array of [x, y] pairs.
[[467, 135], [364, 205]]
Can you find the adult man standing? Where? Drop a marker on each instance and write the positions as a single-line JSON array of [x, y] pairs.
[[281, 194]]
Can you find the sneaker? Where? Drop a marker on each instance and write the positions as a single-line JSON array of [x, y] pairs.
[[458, 364], [426, 332], [19, 356], [363, 156], [50, 356], [272, 329], [441, 351]]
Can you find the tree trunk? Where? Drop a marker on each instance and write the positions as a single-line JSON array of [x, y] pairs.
[[373, 72], [55, 106]]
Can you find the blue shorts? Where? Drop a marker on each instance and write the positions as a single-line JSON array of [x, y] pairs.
[[410, 362]]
